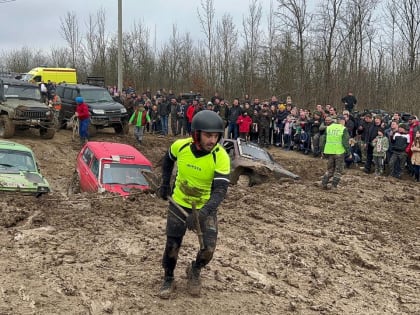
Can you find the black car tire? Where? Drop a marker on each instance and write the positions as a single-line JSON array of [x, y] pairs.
[[47, 133], [122, 129], [92, 130], [7, 128]]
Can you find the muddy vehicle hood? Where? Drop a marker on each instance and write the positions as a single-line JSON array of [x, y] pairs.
[[265, 168], [25, 104], [20, 181]]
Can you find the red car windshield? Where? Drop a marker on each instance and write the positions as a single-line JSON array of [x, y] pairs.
[[124, 174]]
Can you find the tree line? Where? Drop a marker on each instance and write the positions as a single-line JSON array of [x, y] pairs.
[[313, 53]]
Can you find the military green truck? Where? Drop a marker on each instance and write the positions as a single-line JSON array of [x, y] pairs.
[[21, 108]]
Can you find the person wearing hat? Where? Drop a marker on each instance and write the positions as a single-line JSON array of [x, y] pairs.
[[201, 184], [336, 147], [399, 142], [83, 115], [280, 120], [380, 147]]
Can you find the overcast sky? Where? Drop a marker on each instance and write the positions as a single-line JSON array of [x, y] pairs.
[[36, 23]]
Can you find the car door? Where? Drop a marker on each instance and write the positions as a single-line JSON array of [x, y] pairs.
[[68, 102], [84, 169], [92, 180]]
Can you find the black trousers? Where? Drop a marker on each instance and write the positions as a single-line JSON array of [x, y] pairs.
[[175, 231], [369, 156]]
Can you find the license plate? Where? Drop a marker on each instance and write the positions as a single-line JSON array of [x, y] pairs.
[[115, 119]]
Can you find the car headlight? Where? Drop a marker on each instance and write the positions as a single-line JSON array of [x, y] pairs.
[[43, 189], [123, 110], [98, 111]]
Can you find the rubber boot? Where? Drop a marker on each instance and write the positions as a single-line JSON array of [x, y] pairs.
[[335, 182], [324, 182], [194, 281], [168, 286]]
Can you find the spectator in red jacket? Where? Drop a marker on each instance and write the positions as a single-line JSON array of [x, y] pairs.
[[244, 122], [83, 115]]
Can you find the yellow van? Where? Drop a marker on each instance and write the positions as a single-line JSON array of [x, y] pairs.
[[55, 75]]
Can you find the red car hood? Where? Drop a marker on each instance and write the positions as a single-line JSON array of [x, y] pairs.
[[124, 190]]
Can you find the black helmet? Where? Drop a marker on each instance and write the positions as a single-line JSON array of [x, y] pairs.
[[207, 120]]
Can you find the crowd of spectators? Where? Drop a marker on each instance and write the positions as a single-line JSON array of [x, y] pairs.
[[380, 143]]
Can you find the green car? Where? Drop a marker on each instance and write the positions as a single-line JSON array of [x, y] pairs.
[[19, 171]]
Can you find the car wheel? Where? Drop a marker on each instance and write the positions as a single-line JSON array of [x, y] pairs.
[[74, 185], [7, 128], [92, 130], [122, 129], [47, 133]]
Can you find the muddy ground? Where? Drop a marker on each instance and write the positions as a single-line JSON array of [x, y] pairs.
[[283, 248]]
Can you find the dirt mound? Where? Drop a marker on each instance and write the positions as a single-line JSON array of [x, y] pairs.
[[284, 247]]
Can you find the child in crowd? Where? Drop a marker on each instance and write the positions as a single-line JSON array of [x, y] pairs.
[[354, 152], [288, 132], [415, 158], [380, 147]]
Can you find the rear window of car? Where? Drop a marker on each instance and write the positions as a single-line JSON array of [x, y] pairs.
[[254, 152]]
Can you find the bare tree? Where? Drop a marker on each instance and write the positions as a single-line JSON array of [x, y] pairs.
[[23, 60], [59, 56], [96, 43], [407, 13], [226, 49], [251, 26], [329, 31], [69, 30], [186, 69], [175, 49], [269, 47], [294, 16], [207, 23], [138, 55]]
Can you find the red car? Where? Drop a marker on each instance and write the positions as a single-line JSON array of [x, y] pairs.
[[109, 166]]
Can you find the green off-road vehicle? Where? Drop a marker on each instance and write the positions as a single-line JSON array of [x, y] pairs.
[[21, 108], [19, 171]]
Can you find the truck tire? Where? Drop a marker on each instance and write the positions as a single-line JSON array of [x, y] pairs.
[[92, 130], [7, 128], [122, 129], [47, 133]]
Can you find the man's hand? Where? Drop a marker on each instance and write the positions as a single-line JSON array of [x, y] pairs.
[[163, 192], [191, 222]]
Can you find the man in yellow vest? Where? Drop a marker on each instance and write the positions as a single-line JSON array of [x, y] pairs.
[[201, 184], [336, 147]]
